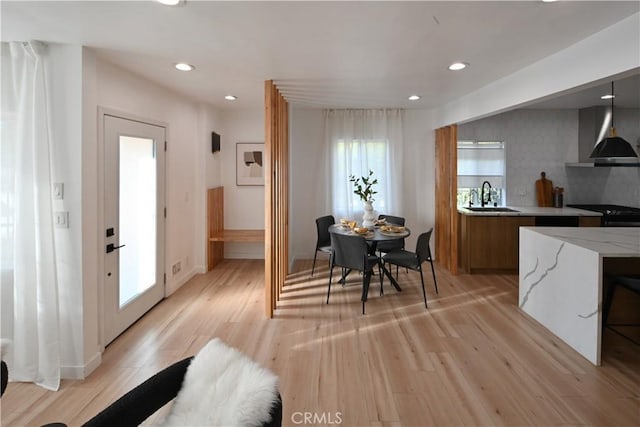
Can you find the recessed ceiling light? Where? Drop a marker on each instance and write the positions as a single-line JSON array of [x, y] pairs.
[[171, 2], [608, 96], [414, 97], [230, 97], [183, 66], [548, 1], [457, 66]]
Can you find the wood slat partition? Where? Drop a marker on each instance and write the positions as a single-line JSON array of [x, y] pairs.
[[215, 224], [447, 224], [276, 195]]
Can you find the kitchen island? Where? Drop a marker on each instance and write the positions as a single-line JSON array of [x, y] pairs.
[[561, 279]]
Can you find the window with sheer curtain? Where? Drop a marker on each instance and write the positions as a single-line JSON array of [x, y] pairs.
[[480, 161], [359, 141]]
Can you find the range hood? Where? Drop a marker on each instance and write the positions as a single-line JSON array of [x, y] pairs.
[[594, 124]]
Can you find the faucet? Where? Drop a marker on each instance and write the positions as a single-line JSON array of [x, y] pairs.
[[482, 202]]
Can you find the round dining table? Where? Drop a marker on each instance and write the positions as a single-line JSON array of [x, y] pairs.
[[373, 236]]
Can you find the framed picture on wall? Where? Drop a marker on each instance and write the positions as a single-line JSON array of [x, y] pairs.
[[249, 163]]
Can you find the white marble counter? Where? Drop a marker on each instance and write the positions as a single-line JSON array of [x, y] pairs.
[[561, 279], [532, 211]]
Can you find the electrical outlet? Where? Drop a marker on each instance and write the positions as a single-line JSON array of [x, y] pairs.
[[176, 268], [61, 219]]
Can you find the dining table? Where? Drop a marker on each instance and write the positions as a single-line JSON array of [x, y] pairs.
[[373, 236]]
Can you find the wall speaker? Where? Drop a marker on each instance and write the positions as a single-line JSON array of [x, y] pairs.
[[215, 142]]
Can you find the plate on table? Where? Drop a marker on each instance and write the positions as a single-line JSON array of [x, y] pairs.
[[363, 231], [393, 230]]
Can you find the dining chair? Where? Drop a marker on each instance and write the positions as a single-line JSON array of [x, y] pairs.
[[414, 260], [352, 253], [323, 241], [390, 245]]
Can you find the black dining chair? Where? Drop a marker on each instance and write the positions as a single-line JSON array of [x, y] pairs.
[[414, 260], [323, 241], [352, 253], [390, 245]]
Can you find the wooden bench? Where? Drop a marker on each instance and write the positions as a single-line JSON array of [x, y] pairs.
[[238, 236], [216, 232]]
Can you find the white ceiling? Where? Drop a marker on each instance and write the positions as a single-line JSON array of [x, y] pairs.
[[321, 54]]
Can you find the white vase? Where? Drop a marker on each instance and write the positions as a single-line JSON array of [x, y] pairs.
[[369, 217]]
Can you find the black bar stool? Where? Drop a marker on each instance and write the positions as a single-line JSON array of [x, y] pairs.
[[632, 283]]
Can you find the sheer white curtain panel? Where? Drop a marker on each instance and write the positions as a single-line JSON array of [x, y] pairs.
[[30, 316], [358, 141]]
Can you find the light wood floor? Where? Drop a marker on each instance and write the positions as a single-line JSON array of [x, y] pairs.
[[472, 359]]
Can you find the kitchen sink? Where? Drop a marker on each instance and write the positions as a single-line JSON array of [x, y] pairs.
[[491, 209]]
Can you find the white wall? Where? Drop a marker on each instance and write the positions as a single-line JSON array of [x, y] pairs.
[[65, 81], [419, 171], [243, 205], [308, 180]]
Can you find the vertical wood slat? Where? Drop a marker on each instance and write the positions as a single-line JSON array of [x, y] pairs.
[[268, 194], [276, 195], [215, 224], [447, 225]]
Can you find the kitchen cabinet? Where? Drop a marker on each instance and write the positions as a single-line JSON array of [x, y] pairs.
[[590, 221], [490, 243]]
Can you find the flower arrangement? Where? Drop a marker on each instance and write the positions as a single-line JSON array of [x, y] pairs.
[[363, 186]]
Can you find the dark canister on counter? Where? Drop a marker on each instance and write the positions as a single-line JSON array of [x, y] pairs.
[[558, 197]]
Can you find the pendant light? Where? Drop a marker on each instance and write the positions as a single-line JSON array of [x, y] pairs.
[[613, 146]]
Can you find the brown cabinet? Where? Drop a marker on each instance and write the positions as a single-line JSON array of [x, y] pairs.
[[590, 221], [490, 243]]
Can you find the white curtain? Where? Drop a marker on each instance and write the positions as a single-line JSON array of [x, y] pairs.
[[359, 141], [29, 277]]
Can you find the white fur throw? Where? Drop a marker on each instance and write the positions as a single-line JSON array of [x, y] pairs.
[[223, 387]]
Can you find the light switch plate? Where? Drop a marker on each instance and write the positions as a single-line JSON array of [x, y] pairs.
[[61, 219], [58, 190]]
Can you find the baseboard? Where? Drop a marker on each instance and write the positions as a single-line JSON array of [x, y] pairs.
[[83, 371], [177, 284]]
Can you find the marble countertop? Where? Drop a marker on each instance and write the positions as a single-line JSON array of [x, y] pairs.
[[532, 211], [606, 241]]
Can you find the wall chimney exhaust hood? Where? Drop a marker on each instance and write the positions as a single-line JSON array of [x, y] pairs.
[[594, 123]]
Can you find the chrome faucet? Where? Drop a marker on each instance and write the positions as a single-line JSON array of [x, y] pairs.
[[482, 202]]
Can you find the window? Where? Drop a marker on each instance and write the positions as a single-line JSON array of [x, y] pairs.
[[480, 161], [358, 141], [357, 157]]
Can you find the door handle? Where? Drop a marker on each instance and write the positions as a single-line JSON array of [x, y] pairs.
[[111, 247]]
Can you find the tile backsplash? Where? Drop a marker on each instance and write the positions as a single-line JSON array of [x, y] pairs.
[[545, 140]]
